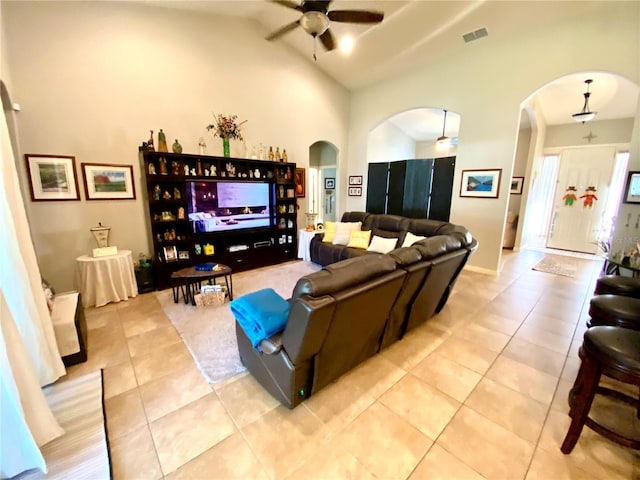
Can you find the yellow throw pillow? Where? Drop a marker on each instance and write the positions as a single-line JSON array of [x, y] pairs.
[[359, 239], [329, 232]]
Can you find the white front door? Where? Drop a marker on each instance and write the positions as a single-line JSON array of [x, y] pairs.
[[581, 192]]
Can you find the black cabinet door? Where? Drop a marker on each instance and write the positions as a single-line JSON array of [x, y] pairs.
[[395, 188], [442, 188], [377, 187], [417, 185]]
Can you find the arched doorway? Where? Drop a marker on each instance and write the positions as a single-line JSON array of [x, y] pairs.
[[323, 181], [558, 151], [411, 163]]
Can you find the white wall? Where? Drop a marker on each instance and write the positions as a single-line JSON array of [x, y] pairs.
[[489, 119], [94, 77], [387, 143], [429, 150], [604, 132]]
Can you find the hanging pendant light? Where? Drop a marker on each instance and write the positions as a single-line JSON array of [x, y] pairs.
[[585, 115], [443, 142]]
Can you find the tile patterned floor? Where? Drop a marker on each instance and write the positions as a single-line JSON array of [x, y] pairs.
[[478, 392]]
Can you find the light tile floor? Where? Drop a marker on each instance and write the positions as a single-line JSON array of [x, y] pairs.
[[478, 392]]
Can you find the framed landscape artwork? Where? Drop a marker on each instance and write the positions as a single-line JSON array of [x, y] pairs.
[[52, 177], [516, 185], [103, 181], [632, 190], [480, 183]]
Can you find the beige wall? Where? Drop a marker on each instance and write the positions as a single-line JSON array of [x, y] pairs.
[[486, 84], [94, 77]]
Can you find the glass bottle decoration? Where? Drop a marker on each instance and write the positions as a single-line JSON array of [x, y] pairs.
[[162, 142], [198, 168], [176, 147], [278, 156], [163, 166], [285, 159], [271, 154]]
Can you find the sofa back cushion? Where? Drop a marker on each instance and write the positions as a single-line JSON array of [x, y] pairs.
[[355, 217], [426, 227]]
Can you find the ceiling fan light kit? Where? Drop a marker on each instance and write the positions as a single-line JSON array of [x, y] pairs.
[[585, 115], [443, 142], [316, 19]]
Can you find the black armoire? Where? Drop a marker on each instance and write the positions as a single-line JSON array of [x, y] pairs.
[[418, 188]]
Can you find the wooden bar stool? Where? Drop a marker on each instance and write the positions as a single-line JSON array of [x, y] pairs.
[[618, 285], [615, 310], [615, 353]]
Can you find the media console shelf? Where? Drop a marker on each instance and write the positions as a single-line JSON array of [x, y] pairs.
[[238, 212]]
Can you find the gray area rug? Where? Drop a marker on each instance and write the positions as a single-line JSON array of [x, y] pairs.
[[82, 451], [557, 264], [209, 331]]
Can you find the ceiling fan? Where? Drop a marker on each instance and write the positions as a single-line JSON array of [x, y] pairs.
[[316, 18]]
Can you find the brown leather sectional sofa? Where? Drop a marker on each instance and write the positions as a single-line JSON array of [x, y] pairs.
[[351, 309]]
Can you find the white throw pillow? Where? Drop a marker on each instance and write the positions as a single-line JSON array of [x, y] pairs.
[[343, 232], [410, 239], [382, 245]]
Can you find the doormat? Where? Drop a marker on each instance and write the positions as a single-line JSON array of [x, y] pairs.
[[556, 264]]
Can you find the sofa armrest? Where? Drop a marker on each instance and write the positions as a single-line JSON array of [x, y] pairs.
[[271, 345]]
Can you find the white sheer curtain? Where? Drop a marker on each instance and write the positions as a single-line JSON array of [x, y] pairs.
[[543, 197], [29, 356]]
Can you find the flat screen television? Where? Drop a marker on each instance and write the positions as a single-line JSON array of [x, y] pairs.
[[220, 205]]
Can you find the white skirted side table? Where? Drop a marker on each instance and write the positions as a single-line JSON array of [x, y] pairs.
[[304, 239], [106, 279]]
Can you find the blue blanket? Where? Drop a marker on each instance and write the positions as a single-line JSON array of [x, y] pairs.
[[260, 314]]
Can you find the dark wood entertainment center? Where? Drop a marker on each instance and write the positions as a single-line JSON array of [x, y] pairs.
[[180, 240]]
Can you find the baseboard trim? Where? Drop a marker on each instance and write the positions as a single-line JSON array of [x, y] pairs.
[[486, 271]]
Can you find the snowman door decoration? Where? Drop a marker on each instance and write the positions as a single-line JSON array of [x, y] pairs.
[[589, 196]]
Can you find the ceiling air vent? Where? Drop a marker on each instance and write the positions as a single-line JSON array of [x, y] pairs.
[[471, 36]]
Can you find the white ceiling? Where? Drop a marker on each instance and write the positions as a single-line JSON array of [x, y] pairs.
[[418, 32]]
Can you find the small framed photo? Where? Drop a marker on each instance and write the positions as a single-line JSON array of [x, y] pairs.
[[170, 254], [632, 190], [329, 183], [516, 185], [183, 255], [291, 193], [355, 180], [355, 191], [300, 179], [52, 177], [104, 181], [480, 183]]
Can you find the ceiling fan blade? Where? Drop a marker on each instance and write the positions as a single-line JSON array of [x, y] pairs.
[[355, 16], [288, 4], [283, 30], [327, 40]]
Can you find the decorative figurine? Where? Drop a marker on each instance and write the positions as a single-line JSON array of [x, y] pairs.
[[163, 166], [173, 234], [152, 169], [175, 168], [199, 168], [570, 196], [231, 170], [202, 146], [176, 193], [197, 248], [256, 173], [162, 142], [166, 195], [156, 192], [193, 172], [206, 172], [181, 213], [150, 142], [589, 196], [288, 175], [186, 170], [176, 147], [213, 170]]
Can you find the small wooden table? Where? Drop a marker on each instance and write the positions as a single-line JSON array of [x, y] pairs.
[[189, 281]]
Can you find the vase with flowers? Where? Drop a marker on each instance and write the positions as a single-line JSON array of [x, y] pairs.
[[226, 127]]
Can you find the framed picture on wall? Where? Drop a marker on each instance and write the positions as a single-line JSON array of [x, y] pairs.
[[355, 180], [103, 181], [300, 179], [480, 183], [170, 254], [516, 185], [355, 191], [329, 183], [52, 177], [632, 190]]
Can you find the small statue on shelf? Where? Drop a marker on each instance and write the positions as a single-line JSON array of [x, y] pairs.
[[199, 167], [193, 172], [176, 193], [202, 146], [163, 166], [152, 169], [213, 170], [285, 159], [256, 173], [181, 213], [206, 172], [150, 142], [231, 170], [156, 192], [175, 168], [173, 234], [186, 170], [166, 195], [176, 147]]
